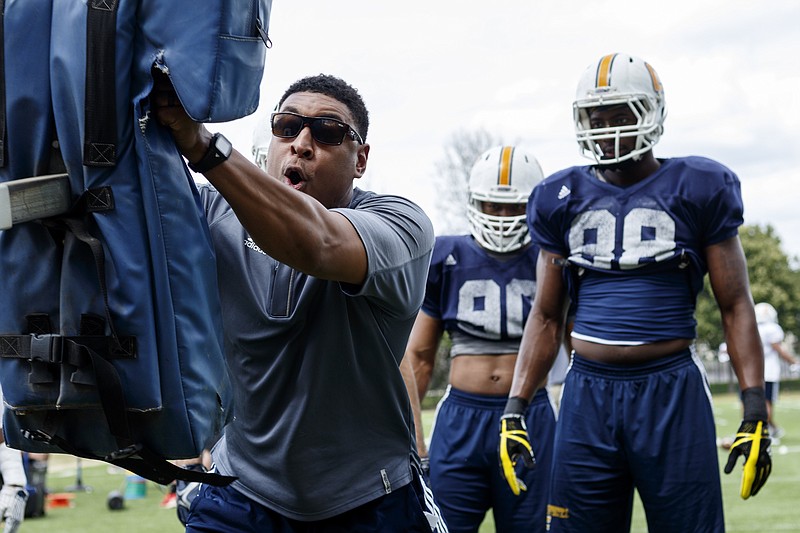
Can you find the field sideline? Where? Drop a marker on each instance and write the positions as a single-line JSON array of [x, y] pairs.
[[775, 509]]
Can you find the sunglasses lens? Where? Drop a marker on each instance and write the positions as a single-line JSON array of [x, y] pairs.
[[328, 131], [324, 130], [286, 126]]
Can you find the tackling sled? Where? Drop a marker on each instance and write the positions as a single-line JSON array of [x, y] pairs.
[[110, 340]]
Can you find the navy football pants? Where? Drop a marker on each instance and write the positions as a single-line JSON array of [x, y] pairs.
[[226, 510], [465, 464], [648, 426]]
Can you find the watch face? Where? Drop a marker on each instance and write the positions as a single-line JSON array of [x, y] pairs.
[[224, 146]]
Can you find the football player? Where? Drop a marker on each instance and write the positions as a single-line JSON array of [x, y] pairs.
[[629, 239], [774, 350], [480, 288]]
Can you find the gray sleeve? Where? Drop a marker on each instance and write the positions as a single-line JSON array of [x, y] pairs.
[[398, 237]]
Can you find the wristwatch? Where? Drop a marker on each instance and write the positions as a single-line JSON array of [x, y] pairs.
[[218, 152]]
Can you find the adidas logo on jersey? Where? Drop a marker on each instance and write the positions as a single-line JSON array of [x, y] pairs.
[[564, 192], [450, 261], [250, 243]]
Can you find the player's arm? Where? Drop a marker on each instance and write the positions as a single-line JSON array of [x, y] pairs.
[[417, 367], [541, 340], [423, 343], [784, 354], [416, 406], [544, 329], [727, 270]]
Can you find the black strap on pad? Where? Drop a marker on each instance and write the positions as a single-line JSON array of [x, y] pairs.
[[100, 107]]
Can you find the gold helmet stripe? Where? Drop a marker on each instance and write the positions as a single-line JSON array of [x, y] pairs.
[[504, 175], [604, 70], [656, 82]]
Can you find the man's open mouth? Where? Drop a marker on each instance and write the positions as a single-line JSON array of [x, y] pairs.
[[294, 177]]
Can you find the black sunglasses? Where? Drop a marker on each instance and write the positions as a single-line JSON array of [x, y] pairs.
[[324, 130]]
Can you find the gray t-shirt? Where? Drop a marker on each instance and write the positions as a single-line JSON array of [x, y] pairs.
[[322, 421]]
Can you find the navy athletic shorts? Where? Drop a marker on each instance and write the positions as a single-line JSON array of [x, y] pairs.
[[225, 510], [771, 389], [648, 426], [465, 464]]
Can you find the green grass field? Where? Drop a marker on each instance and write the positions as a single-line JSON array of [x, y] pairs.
[[90, 513], [775, 509]]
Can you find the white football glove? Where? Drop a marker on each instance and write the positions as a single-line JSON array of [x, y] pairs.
[[13, 495], [12, 506]]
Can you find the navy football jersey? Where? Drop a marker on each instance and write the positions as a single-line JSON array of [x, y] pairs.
[[637, 252], [479, 294]]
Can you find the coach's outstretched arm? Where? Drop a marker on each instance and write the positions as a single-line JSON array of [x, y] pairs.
[[727, 269], [290, 226], [538, 349]]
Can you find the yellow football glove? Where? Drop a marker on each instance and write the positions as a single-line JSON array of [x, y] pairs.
[[752, 442], [514, 444]]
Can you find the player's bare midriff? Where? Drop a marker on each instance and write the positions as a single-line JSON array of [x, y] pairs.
[[622, 355], [483, 374]]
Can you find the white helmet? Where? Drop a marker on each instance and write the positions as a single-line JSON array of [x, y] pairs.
[[765, 313], [619, 79], [503, 175], [262, 135]]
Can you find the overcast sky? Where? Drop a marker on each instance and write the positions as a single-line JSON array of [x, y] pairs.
[[426, 69]]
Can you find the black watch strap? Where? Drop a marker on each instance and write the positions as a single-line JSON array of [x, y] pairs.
[[219, 150]]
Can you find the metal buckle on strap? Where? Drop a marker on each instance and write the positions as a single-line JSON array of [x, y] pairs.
[[37, 435], [123, 453], [47, 348]]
